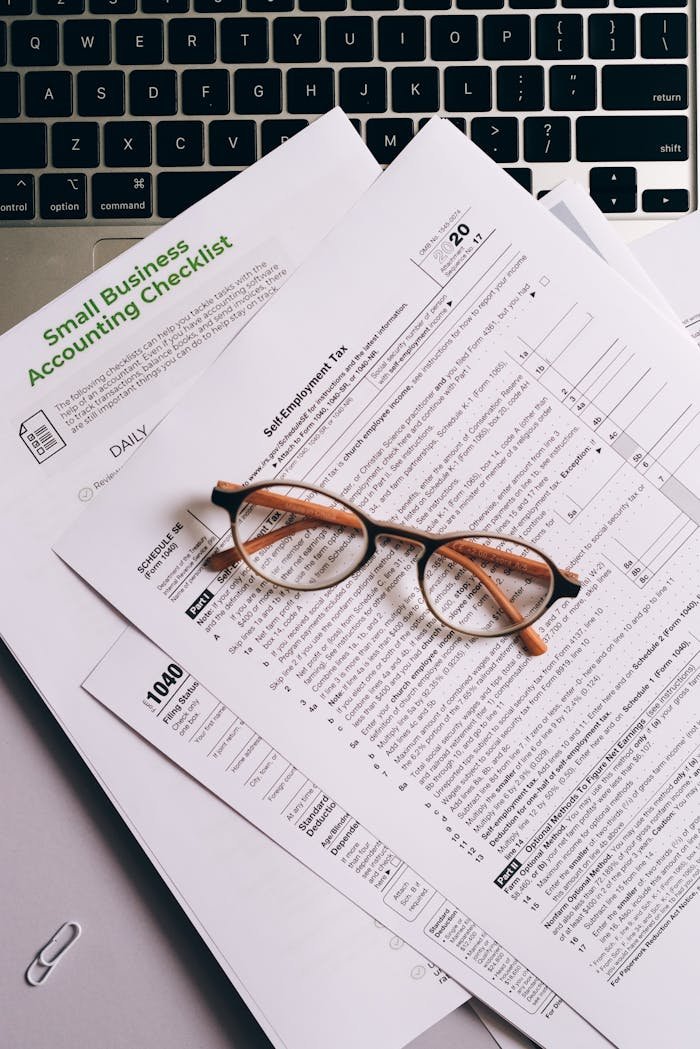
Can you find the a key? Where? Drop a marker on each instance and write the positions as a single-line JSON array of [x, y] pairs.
[[139, 42], [60, 7], [453, 38], [349, 39], [664, 36], [547, 139], [165, 7], [232, 143], [650, 87], [375, 5], [16, 197], [612, 180], [9, 94], [523, 176], [180, 143], [257, 91], [101, 94], [22, 145], [480, 5], [520, 88], [310, 90], [467, 89], [275, 132], [178, 190], [75, 144], [415, 89], [112, 7], [497, 137], [127, 143], [123, 195], [192, 41], [665, 201], [611, 36], [153, 93], [296, 40], [205, 91], [559, 37], [402, 38], [34, 43], [86, 42], [63, 196], [273, 6], [386, 138], [507, 37], [572, 87], [48, 94], [632, 138], [623, 202], [323, 5], [363, 90], [244, 41]]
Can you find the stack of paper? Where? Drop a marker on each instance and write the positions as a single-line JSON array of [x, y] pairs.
[[446, 354]]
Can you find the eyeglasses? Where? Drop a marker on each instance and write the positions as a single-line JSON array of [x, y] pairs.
[[476, 583]]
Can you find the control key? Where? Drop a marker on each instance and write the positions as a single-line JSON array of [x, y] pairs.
[[16, 197]]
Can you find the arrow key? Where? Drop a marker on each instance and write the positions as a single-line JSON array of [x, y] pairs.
[[665, 200], [616, 203], [16, 197], [613, 180]]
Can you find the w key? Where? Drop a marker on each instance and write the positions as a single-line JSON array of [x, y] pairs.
[[645, 86]]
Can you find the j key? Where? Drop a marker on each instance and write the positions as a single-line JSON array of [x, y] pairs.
[[520, 88], [48, 94], [257, 91], [523, 176], [559, 36], [153, 93], [270, 5], [363, 90], [310, 90], [180, 143], [139, 42], [60, 7], [664, 36], [22, 145], [205, 91], [63, 196], [497, 137], [101, 94], [231, 143], [651, 3], [296, 39], [507, 37], [178, 190], [613, 180], [665, 200], [480, 5], [572, 87], [323, 5], [218, 6], [192, 41], [9, 94], [386, 138], [113, 7], [349, 39], [645, 87], [632, 138], [159, 7], [275, 132], [402, 38], [127, 143], [34, 43], [624, 202], [244, 40], [75, 145], [86, 42], [547, 139], [467, 89], [121, 196], [415, 89], [16, 197], [611, 36], [375, 5], [453, 38]]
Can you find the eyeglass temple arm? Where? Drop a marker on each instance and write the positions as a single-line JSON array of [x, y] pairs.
[[532, 641]]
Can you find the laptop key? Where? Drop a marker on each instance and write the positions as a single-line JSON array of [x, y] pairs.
[[523, 176], [652, 86], [386, 138], [180, 143], [178, 190], [126, 195], [547, 139], [244, 41], [275, 132], [218, 6], [611, 36], [415, 89], [16, 197], [139, 42], [205, 91], [559, 36], [296, 40], [520, 88], [363, 90], [9, 94], [323, 5], [497, 137], [507, 37], [60, 7], [192, 41], [232, 143], [454, 38], [87, 42], [480, 5], [585, 3], [612, 180], [3, 43], [271, 6], [467, 89], [22, 145], [349, 39], [459, 122], [34, 43], [572, 87], [632, 138], [165, 7], [48, 94], [664, 36], [427, 5], [623, 202], [257, 91], [153, 93], [651, 3], [112, 7], [665, 200], [101, 94], [375, 5], [75, 144], [127, 143], [402, 38], [63, 196], [310, 90], [15, 7]]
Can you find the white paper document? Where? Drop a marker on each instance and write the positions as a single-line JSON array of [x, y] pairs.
[[452, 358], [669, 258], [85, 380]]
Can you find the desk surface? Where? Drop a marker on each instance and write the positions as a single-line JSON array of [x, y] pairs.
[[139, 976]]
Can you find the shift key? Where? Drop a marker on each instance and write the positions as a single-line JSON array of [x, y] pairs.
[[632, 138], [647, 86]]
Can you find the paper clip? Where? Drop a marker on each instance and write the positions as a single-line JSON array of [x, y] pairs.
[[51, 953]]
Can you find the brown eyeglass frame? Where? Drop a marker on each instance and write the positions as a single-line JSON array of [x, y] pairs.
[[231, 497]]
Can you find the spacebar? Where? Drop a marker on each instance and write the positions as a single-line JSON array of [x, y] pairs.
[[178, 190], [632, 138]]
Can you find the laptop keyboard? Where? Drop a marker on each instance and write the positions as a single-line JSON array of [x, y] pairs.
[[108, 116]]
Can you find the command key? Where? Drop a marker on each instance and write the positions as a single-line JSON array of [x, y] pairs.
[[17, 196], [123, 195]]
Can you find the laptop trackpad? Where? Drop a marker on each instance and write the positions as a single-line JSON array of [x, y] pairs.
[[106, 250]]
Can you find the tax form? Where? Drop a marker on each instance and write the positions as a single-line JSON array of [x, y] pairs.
[[479, 371], [669, 258], [85, 380]]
